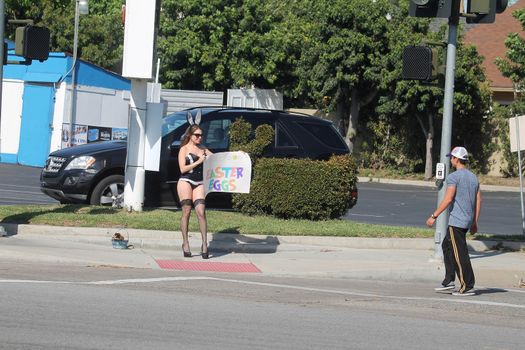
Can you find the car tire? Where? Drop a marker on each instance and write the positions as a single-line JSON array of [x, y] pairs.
[[109, 191]]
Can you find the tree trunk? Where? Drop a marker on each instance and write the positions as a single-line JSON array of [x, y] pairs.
[[340, 113], [430, 148], [429, 137], [353, 119]]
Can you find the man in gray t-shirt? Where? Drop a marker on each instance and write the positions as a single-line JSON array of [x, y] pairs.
[[464, 199]]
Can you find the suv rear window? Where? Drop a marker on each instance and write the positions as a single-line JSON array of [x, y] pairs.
[[282, 139], [325, 134], [172, 122]]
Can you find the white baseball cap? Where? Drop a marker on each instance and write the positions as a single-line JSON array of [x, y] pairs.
[[459, 152]]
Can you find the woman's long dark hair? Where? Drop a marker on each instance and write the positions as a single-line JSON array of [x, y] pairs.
[[190, 131]]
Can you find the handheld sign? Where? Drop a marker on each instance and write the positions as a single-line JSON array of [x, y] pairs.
[[227, 172]]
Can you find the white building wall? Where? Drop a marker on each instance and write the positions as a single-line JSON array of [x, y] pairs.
[[255, 98], [94, 107], [12, 92], [177, 100], [59, 117], [100, 107]]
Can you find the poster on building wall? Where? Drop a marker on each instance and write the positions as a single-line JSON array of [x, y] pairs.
[[65, 136], [119, 134], [98, 133], [105, 134], [83, 134], [80, 133], [93, 134]]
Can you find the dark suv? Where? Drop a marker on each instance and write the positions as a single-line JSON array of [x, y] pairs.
[[94, 173]]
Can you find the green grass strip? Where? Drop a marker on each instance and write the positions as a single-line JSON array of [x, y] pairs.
[[218, 222]]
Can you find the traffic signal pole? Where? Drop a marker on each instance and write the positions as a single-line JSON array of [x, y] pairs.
[[2, 26], [141, 21], [446, 131]]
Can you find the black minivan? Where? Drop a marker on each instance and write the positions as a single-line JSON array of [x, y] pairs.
[[94, 173]]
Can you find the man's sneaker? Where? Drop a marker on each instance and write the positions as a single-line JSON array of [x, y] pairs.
[[467, 293], [444, 288]]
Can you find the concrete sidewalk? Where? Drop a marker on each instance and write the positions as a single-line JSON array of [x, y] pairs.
[[241, 243], [336, 257], [421, 183]]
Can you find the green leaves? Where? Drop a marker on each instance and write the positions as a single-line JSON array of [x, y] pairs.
[[100, 32], [514, 66], [222, 44]]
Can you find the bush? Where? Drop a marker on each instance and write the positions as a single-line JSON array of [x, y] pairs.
[[502, 114], [291, 188], [240, 132], [300, 188]]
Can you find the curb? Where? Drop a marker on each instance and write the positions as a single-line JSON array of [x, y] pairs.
[[421, 183], [233, 242]]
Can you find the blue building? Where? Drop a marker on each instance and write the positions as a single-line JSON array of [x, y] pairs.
[[41, 113]]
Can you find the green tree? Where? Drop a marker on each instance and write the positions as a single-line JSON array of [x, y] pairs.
[[344, 61], [512, 67], [407, 106], [100, 33], [216, 45]]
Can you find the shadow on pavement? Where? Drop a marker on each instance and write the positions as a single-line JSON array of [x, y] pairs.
[[11, 222], [481, 255], [490, 291], [223, 243]]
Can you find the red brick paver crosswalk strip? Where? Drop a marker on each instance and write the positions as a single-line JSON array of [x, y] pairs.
[[207, 266]]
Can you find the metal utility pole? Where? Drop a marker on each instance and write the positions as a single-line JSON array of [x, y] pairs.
[[2, 25], [446, 132], [80, 9], [141, 21]]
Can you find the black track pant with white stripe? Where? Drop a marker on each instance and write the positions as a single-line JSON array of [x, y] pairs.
[[456, 259]]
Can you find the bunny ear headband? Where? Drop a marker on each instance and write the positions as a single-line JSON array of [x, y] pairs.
[[197, 119]]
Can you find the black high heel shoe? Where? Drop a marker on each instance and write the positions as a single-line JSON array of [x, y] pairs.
[[186, 254], [203, 254]]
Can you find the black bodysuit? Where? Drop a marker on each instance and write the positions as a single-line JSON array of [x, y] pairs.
[[194, 176]]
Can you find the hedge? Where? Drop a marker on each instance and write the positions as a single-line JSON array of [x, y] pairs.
[[300, 188]]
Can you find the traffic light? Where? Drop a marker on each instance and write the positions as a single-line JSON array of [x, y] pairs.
[[484, 11], [430, 8], [32, 42], [420, 63]]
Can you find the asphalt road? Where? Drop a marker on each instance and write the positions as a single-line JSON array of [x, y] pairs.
[[388, 204], [20, 185], [48, 306], [404, 205]]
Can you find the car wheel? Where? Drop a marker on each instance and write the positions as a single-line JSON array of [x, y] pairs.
[[109, 191]]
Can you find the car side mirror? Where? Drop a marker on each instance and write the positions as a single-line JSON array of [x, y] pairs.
[[175, 145]]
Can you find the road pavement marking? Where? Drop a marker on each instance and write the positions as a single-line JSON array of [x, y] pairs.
[[368, 215], [36, 282], [145, 280], [277, 285]]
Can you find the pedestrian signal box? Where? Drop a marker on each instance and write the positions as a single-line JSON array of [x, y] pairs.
[[484, 11], [32, 42], [430, 8], [419, 63], [440, 171]]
